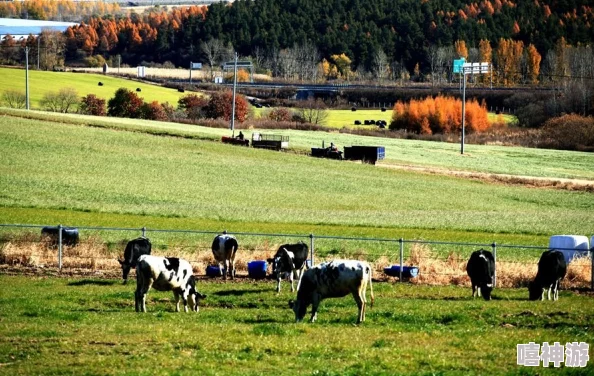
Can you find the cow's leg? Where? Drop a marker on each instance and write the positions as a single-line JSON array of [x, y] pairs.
[[315, 303], [225, 269], [300, 275], [360, 305], [478, 289], [142, 297], [184, 294], [291, 277], [549, 292], [278, 282], [232, 262], [176, 295]]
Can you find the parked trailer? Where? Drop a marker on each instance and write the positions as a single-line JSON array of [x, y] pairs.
[[367, 154], [270, 141]]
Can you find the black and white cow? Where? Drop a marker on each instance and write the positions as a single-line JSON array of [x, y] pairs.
[[224, 247], [290, 259], [134, 249], [333, 279], [481, 270], [551, 270], [166, 274]]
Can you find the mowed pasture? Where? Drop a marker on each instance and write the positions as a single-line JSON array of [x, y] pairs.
[[80, 175], [73, 326], [41, 83]]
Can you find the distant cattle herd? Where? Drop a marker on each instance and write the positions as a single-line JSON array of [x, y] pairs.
[[333, 279]]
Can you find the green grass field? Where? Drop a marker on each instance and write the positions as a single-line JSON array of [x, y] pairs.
[[73, 174], [66, 326], [106, 172], [41, 82]]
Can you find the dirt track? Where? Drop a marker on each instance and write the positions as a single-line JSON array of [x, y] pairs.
[[530, 181]]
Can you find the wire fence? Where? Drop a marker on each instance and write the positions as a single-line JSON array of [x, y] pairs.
[[436, 262]]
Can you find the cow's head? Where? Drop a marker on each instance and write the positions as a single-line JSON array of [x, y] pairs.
[[276, 264], [300, 309], [534, 291], [125, 269], [194, 296], [486, 290]]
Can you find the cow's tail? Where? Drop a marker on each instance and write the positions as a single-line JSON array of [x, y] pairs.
[[371, 288]]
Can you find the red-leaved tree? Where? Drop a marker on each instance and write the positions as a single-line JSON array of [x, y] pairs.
[[153, 111], [92, 105], [220, 106], [192, 105]]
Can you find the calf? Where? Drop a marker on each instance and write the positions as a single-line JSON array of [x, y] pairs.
[[166, 274], [551, 270], [481, 270], [289, 259], [134, 249], [333, 280], [224, 248]]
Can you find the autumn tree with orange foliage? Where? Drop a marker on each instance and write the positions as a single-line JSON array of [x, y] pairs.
[[509, 59], [220, 106], [461, 50], [533, 59], [439, 115]]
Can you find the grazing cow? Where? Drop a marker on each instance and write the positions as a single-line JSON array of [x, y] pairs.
[[289, 259], [224, 247], [166, 274], [333, 280], [481, 270], [551, 270], [134, 249]]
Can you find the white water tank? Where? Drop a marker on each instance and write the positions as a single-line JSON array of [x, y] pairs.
[[570, 245]]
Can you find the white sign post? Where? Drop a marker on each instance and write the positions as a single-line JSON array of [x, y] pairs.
[[469, 68]]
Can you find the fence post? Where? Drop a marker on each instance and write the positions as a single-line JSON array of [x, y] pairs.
[[592, 273], [311, 249], [144, 232], [494, 248], [60, 247], [401, 241]]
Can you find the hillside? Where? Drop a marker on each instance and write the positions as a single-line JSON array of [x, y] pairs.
[[41, 82], [121, 176], [405, 31]]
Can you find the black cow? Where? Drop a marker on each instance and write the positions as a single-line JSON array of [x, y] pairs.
[[224, 248], [481, 270], [551, 270], [134, 249], [290, 259]]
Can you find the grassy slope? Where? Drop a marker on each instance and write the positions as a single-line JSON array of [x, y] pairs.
[[51, 170], [346, 118], [41, 82], [87, 326]]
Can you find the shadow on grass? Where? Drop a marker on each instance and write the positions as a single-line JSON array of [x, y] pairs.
[[236, 292], [96, 282]]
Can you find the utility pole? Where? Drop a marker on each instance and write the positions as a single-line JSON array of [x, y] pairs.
[[27, 76], [463, 111], [38, 39], [234, 89]]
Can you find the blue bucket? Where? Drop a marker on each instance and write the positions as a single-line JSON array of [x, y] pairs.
[[213, 271], [257, 269], [407, 271]]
